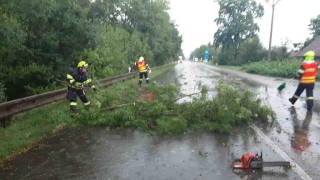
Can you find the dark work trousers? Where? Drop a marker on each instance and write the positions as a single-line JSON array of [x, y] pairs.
[[72, 97], [309, 91], [145, 74]]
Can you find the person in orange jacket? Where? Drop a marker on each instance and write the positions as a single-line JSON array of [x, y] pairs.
[[307, 75], [143, 69]]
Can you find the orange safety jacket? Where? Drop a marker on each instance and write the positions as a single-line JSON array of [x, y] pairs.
[[310, 71], [142, 66]]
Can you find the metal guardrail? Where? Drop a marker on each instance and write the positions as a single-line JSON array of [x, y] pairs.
[[10, 108]]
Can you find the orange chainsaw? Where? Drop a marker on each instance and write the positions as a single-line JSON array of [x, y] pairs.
[[254, 161]]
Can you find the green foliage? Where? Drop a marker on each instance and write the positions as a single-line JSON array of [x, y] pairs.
[[110, 35], [12, 36], [153, 21], [171, 125], [117, 50], [16, 78], [226, 56], [236, 22], [279, 53], [314, 26], [286, 68], [199, 52], [228, 109], [250, 51], [3, 96]]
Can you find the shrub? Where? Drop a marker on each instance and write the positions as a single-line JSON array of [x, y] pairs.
[[171, 125]]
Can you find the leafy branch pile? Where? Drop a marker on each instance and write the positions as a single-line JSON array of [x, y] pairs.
[[164, 115]]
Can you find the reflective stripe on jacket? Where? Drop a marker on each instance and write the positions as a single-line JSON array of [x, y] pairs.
[[76, 77], [309, 70], [141, 65]]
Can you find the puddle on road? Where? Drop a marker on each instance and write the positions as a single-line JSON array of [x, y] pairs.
[[100, 153]]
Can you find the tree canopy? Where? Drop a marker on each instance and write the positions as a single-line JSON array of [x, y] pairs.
[[41, 39], [236, 22], [314, 26]]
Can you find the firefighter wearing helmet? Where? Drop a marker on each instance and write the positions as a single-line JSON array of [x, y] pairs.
[[143, 69], [307, 75], [77, 80]]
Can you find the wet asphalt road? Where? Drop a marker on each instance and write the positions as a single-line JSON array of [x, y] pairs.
[[101, 153]]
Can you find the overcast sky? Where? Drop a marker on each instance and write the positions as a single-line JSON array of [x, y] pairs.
[[195, 21]]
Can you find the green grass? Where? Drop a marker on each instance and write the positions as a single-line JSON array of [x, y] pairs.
[[31, 126]]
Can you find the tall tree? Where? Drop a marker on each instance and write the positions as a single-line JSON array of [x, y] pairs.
[[236, 22], [152, 20], [314, 26]]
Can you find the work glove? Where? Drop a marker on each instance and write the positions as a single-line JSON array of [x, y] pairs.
[[87, 82], [78, 85]]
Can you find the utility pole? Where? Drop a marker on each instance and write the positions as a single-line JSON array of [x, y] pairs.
[[270, 39]]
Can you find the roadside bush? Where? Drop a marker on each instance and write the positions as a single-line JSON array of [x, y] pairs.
[[251, 51], [171, 125], [286, 68]]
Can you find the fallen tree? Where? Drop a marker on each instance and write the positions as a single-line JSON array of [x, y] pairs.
[[163, 113]]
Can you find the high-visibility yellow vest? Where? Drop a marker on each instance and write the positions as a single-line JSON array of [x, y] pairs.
[[141, 65], [310, 71]]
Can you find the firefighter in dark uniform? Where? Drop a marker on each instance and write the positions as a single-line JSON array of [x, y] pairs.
[[143, 69], [307, 74], [77, 80]]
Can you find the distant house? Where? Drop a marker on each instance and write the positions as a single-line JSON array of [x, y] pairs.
[[313, 46]]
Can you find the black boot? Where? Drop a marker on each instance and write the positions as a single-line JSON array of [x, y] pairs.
[[73, 113], [73, 109], [309, 104], [293, 100]]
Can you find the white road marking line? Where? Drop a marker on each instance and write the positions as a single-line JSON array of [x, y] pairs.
[[277, 149]]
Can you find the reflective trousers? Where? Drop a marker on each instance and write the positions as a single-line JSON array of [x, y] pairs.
[[145, 75], [72, 97], [309, 92]]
